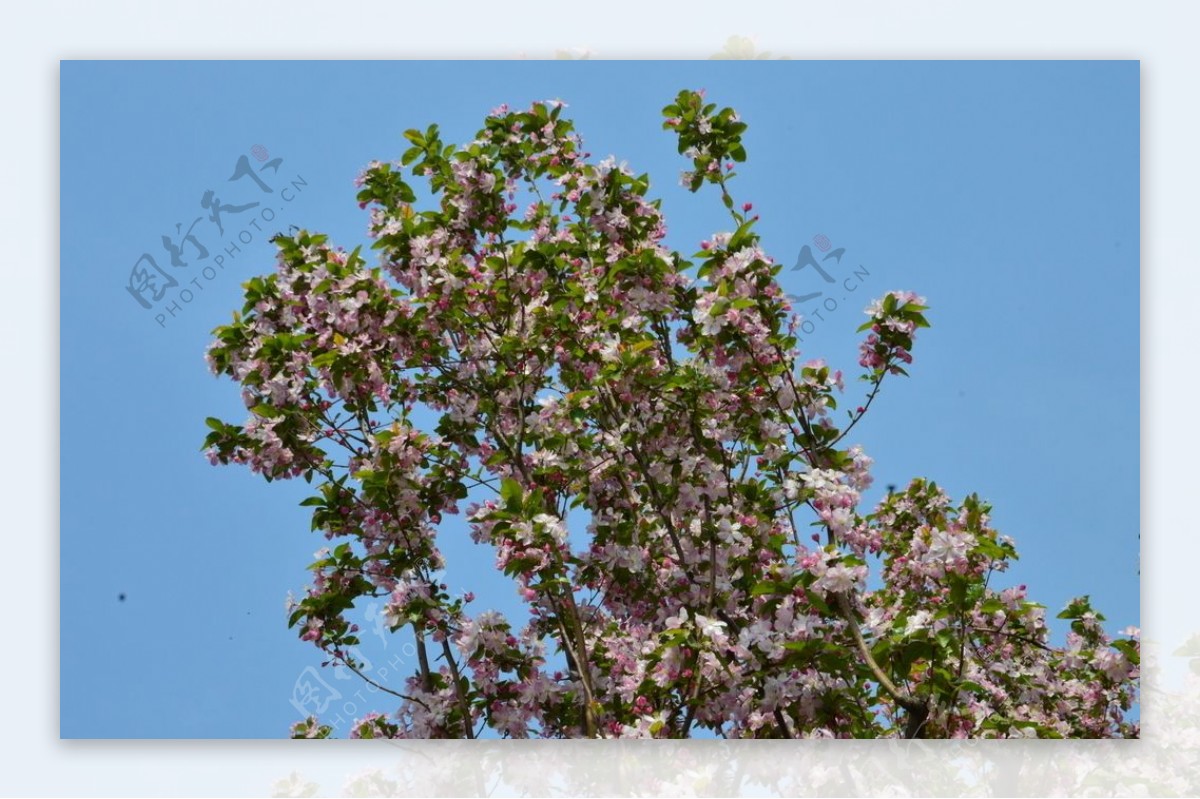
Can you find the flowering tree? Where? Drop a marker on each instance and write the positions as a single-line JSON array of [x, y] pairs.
[[573, 361]]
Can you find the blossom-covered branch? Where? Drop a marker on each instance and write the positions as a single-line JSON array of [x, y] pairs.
[[574, 362]]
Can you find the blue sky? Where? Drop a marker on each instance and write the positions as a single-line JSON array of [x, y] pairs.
[[1006, 193]]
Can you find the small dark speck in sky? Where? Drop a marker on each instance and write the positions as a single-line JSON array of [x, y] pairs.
[[120, 597]]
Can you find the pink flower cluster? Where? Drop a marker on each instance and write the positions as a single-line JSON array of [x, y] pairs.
[[894, 322], [727, 578]]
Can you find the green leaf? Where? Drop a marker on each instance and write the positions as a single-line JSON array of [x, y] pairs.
[[1076, 608], [945, 639], [324, 359], [763, 588], [674, 636], [1130, 649], [958, 590], [510, 494], [991, 605], [801, 646]]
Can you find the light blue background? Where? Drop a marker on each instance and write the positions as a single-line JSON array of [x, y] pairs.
[[1006, 193]]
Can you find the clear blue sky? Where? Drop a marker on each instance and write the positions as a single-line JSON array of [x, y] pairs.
[[1006, 193]]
